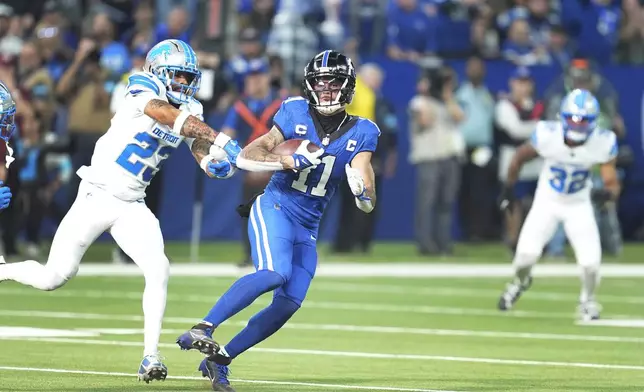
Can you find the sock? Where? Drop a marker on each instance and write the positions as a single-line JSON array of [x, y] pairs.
[[154, 299], [262, 325], [31, 273], [589, 282], [241, 294]]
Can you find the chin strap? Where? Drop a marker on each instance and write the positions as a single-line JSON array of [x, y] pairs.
[[9, 158]]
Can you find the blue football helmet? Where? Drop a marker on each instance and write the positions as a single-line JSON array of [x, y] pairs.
[[7, 113], [579, 114], [171, 58]]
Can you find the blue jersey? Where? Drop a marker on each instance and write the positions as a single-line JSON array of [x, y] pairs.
[[304, 195]]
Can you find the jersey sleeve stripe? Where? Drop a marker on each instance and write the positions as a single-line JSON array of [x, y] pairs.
[[614, 149], [141, 81]]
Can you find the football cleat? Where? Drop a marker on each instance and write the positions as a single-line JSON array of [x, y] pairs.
[[217, 374], [2, 260], [512, 293], [198, 338], [589, 311], [152, 369]]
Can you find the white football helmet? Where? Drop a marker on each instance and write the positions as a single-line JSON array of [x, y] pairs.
[[171, 58]]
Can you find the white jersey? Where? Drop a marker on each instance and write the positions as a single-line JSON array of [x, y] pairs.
[[133, 149], [565, 176]]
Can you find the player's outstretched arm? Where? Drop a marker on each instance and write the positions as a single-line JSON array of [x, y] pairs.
[[181, 121], [362, 181], [612, 188], [257, 156], [526, 152]]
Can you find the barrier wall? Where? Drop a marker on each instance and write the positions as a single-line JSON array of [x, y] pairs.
[[396, 222]]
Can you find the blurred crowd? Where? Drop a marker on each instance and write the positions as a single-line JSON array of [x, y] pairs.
[[67, 62]]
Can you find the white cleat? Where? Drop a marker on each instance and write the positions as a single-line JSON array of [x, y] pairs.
[[152, 369], [2, 260], [589, 311]]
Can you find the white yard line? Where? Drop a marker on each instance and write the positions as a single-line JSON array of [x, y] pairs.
[[389, 270], [325, 327], [264, 382], [403, 331], [310, 304], [351, 354]]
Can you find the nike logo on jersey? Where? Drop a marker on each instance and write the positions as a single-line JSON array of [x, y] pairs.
[[165, 136]]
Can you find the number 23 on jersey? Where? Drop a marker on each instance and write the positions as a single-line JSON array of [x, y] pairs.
[[133, 156]]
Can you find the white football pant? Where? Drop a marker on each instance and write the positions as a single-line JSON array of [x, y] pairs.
[[134, 228]]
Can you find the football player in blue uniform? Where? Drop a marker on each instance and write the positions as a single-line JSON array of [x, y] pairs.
[[284, 220], [7, 128]]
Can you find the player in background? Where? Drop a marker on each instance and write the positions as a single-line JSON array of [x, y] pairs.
[[159, 113], [7, 128], [284, 220], [570, 148]]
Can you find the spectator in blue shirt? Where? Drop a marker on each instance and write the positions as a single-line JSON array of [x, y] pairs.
[[560, 47], [250, 47], [599, 31], [410, 33], [519, 48], [115, 58], [177, 26]]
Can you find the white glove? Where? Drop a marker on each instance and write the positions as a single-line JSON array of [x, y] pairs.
[[356, 182], [306, 160]]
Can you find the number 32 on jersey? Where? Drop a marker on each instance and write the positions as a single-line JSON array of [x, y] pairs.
[[564, 182], [132, 158]]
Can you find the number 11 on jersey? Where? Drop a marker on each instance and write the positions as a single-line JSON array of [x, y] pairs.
[[319, 189]]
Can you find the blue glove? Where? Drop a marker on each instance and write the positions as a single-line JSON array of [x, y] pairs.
[[5, 196], [232, 149], [221, 169]]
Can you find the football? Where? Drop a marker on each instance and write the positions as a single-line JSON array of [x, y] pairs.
[[290, 146]]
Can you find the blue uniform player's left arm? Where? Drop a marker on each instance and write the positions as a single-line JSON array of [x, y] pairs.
[[360, 174]]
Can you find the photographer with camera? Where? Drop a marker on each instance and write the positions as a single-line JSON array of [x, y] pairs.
[[436, 147]]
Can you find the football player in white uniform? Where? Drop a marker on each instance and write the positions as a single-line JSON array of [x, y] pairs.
[[159, 113], [570, 148]]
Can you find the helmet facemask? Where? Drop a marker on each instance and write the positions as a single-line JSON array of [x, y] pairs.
[[577, 128], [328, 93], [7, 124], [178, 92]]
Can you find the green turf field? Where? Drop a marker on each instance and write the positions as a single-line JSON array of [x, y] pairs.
[[383, 252], [378, 334]]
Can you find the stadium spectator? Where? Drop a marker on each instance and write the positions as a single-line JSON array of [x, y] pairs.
[[83, 89], [519, 47], [114, 56], [357, 228], [478, 182], [35, 81], [177, 26], [10, 43], [142, 34], [630, 49], [436, 146], [515, 118], [410, 32], [250, 48], [294, 41], [599, 29], [560, 47], [365, 26], [257, 14], [484, 36], [250, 117]]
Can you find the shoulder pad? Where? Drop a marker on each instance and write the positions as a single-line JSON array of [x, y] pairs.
[[145, 81], [368, 127]]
